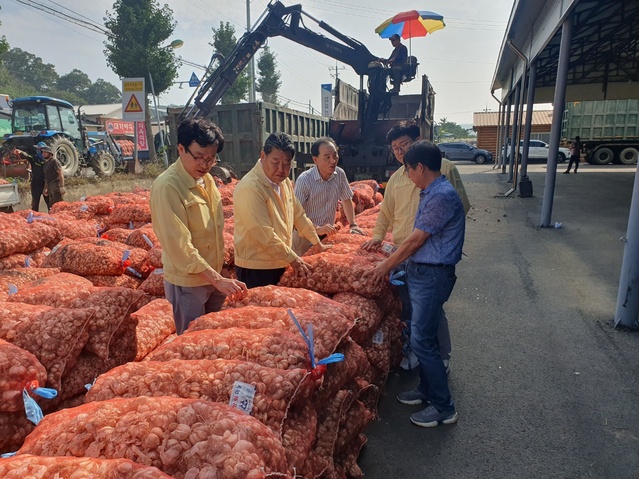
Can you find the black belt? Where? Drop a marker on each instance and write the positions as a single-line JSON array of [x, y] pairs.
[[432, 265]]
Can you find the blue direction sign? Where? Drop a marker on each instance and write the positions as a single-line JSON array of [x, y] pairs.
[[194, 81]]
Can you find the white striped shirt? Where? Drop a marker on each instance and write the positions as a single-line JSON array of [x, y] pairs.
[[319, 197]]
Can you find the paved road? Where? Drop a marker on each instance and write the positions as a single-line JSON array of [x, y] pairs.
[[544, 386]]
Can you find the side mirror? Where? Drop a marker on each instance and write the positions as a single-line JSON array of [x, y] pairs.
[[547, 146]]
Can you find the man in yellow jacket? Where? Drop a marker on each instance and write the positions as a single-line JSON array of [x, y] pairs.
[[397, 214], [265, 212], [186, 210]]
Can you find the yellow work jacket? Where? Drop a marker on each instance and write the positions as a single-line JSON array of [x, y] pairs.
[[188, 220], [264, 222]]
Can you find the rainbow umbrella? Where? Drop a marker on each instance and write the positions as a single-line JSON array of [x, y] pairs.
[[413, 23]]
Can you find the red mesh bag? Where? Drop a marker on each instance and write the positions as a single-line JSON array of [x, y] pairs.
[[181, 437], [369, 315], [363, 197], [283, 297], [38, 256], [229, 249], [27, 237], [103, 204], [69, 228], [139, 212], [346, 238], [328, 328], [123, 281], [154, 324], [346, 459], [329, 415], [86, 259], [212, 380], [10, 221], [369, 212], [348, 248], [355, 365], [298, 435], [228, 211], [155, 256], [116, 234], [28, 466], [372, 184], [76, 209], [269, 347], [18, 368], [122, 198], [137, 238], [378, 350], [378, 198], [20, 277], [57, 291], [53, 335], [14, 428], [229, 226], [154, 283], [226, 192], [354, 422], [13, 261], [334, 273]]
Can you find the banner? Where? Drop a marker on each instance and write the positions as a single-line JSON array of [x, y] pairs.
[[118, 127], [142, 144], [327, 100]]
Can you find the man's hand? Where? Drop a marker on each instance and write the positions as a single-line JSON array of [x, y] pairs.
[[371, 245], [302, 267], [326, 230], [230, 287], [377, 275], [355, 230]]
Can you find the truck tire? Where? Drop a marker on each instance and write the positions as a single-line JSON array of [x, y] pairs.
[[104, 164], [66, 154], [628, 156], [602, 156]]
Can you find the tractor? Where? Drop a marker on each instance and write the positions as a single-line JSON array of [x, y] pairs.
[[40, 118]]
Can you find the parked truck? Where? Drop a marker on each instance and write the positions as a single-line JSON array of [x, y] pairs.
[[361, 141], [609, 129]]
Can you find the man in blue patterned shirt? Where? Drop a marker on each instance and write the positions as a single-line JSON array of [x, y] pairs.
[[432, 249]]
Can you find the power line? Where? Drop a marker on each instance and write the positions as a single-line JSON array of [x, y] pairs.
[[63, 16]]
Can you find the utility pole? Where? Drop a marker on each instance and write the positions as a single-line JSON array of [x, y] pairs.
[[337, 69], [248, 29]]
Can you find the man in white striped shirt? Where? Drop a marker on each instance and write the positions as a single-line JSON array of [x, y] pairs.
[[319, 189]]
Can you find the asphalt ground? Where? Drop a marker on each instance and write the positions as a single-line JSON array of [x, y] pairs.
[[544, 386]]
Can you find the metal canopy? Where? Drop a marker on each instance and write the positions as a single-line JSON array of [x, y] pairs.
[[604, 52]]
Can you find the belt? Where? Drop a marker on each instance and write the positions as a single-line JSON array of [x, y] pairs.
[[432, 265]]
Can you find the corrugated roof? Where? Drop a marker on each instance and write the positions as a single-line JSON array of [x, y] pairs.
[[110, 110], [491, 118]]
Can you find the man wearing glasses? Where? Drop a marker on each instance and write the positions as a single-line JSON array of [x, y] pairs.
[[265, 212], [188, 219], [398, 211]]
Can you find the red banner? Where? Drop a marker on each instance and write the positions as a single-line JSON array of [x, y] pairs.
[[118, 127], [142, 145]]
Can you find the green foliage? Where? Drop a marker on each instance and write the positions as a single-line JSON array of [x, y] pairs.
[[75, 83], [224, 41], [30, 69], [448, 128], [137, 31], [68, 96], [268, 83], [14, 87], [101, 91]]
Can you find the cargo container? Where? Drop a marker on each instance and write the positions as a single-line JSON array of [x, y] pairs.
[[609, 129], [247, 125]]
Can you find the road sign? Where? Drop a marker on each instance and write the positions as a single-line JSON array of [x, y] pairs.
[[133, 99], [194, 81], [327, 99]]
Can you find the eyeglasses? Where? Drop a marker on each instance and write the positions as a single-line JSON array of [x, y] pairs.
[[402, 147], [203, 160]]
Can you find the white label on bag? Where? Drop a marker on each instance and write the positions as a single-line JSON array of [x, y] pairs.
[[242, 396], [378, 337], [388, 248]]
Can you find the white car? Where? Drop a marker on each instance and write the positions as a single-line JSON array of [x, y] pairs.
[[538, 150]]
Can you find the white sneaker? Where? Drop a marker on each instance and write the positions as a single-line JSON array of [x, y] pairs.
[[409, 362]]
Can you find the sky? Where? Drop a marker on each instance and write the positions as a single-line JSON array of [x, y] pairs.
[[459, 60]]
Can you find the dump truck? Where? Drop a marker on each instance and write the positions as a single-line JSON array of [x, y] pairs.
[[609, 129]]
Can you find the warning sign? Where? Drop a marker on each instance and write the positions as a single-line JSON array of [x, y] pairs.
[[133, 106], [133, 99]]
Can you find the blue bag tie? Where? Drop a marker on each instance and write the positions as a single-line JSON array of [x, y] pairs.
[[148, 241], [394, 278], [32, 408], [309, 340]]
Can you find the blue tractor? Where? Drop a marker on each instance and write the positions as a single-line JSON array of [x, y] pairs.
[[42, 118]]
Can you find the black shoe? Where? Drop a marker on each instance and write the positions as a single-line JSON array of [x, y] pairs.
[[566, 172]]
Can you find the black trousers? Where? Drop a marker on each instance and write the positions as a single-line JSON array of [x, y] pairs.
[[258, 277], [37, 187], [575, 159]]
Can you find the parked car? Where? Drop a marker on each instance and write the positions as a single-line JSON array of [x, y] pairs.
[[463, 151], [538, 150]]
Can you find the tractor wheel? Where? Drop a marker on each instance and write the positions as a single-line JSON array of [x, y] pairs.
[[66, 154], [104, 164]]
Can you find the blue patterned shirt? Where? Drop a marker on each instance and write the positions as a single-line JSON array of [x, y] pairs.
[[440, 213]]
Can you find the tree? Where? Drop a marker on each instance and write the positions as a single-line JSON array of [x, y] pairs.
[[449, 128], [30, 69], [224, 42], [101, 91], [268, 83], [137, 29], [75, 82], [68, 96]]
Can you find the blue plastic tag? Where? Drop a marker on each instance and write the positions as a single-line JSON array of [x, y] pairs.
[[134, 272], [131, 225], [397, 274], [27, 261], [8, 454], [31, 408], [13, 289], [46, 393], [148, 241]]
